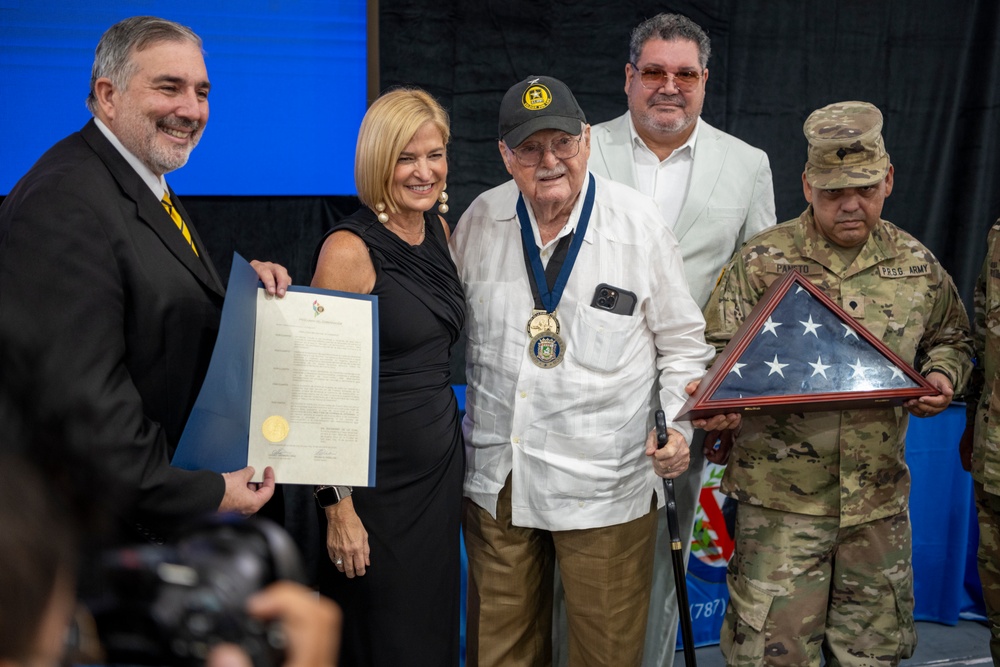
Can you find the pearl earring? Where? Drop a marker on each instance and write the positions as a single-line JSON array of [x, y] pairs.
[[443, 198], [383, 217]]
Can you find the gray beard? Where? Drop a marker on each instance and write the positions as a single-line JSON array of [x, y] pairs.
[[669, 127], [139, 137]]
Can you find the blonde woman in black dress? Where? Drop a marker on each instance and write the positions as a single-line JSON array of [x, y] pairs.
[[394, 548]]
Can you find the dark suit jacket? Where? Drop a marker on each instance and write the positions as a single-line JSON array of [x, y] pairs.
[[98, 286]]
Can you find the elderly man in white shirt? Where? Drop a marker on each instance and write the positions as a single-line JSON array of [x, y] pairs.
[[580, 324]]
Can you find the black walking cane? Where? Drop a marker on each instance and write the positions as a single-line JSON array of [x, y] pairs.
[[677, 552]]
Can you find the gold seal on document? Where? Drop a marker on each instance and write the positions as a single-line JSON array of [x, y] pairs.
[[275, 428]]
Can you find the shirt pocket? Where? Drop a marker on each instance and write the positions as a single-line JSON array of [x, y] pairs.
[[894, 312], [601, 340]]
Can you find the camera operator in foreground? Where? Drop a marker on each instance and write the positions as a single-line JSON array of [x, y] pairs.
[[57, 520], [38, 574], [311, 624]]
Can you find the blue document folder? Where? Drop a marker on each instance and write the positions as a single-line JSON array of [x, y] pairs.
[[217, 432]]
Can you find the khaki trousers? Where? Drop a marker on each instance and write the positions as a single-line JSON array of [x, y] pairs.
[[607, 573]]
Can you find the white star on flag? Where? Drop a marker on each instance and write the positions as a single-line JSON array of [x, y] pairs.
[[776, 366], [896, 371], [859, 369], [819, 368], [810, 327], [771, 326]]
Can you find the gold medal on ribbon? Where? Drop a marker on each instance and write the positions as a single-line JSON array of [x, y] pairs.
[[546, 350], [542, 321]]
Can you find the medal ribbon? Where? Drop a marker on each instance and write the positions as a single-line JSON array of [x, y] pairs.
[[551, 268], [550, 295]]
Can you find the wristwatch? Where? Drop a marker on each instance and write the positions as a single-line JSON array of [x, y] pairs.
[[331, 495]]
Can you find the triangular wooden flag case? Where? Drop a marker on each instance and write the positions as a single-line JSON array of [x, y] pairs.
[[798, 351]]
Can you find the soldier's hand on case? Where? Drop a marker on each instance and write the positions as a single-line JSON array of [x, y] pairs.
[[928, 406]]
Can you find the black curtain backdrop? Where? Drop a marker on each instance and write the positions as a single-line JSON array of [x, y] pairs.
[[931, 66]]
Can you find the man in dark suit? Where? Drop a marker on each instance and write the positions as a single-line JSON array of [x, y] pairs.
[[106, 286]]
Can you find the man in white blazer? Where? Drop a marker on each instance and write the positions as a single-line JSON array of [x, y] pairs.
[[714, 191]]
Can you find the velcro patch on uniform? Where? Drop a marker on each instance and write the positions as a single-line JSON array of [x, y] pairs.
[[854, 306], [782, 269], [904, 271]]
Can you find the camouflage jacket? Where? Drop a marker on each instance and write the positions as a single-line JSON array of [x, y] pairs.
[[982, 398], [848, 463]]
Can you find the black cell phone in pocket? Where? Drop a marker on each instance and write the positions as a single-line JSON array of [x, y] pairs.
[[613, 299]]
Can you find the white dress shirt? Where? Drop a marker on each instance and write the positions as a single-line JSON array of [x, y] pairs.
[[666, 181], [573, 436]]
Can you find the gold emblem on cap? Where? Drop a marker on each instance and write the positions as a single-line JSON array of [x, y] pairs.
[[536, 97], [275, 428]]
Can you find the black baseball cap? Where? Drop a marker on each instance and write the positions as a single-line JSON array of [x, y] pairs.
[[538, 103]]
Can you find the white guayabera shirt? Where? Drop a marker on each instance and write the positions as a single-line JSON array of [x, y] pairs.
[[573, 436]]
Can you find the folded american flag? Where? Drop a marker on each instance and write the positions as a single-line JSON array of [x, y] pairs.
[[798, 351]]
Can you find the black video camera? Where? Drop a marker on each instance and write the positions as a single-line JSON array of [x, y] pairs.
[[169, 605]]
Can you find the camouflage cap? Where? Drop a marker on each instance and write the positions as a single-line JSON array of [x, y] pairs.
[[845, 146]]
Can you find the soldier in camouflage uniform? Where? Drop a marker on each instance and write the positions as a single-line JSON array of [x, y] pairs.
[[822, 558], [980, 446]]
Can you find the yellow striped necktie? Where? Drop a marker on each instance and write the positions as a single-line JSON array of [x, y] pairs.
[[176, 217]]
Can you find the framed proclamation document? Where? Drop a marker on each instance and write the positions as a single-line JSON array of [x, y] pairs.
[[798, 351], [292, 384]]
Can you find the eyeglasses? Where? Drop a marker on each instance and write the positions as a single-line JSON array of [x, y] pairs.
[[529, 154], [653, 78]]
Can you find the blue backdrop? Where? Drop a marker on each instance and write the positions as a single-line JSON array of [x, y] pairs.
[[289, 81]]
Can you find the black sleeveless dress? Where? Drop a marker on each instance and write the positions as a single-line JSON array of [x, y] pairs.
[[405, 609]]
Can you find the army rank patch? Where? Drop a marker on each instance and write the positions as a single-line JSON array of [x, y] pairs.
[[853, 305]]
